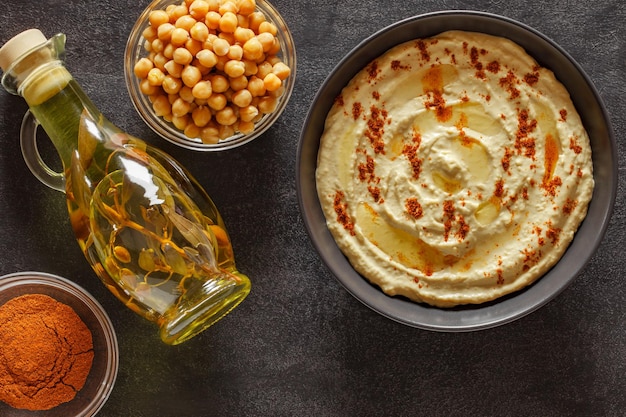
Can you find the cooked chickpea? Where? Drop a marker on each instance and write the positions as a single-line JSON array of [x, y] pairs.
[[186, 93], [238, 83], [212, 20], [148, 89], [265, 68], [177, 12], [168, 51], [201, 116], [221, 47], [192, 131], [180, 122], [248, 113], [182, 56], [207, 58], [268, 27], [159, 61], [219, 83], [253, 49], [234, 68], [235, 52], [198, 9], [256, 86], [217, 101], [267, 104], [228, 22], [228, 7], [246, 127], [157, 45], [185, 22], [242, 98], [246, 7], [214, 5], [164, 32], [142, 67], [272, 82], [193, 46], [255, 19], [179, 36], [161, 105], [281, 70], [149, 33], [155, 77], [225, 131], [158, 17], [199, 31], [202, 90], [171, 85], [242, 35], [174, 69], [180, 107], [266, 39], [191, 75]]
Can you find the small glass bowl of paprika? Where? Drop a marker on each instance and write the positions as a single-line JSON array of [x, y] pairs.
[[58, 349]]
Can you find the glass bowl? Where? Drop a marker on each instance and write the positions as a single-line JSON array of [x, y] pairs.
[[135, 50], [590, 233], [99, 384]]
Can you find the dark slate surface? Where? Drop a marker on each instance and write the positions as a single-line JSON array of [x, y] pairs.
[[301, 345]]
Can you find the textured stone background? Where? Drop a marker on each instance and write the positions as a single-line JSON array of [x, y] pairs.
[[300, 345]]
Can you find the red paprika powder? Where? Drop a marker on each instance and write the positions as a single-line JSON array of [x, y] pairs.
[[46, 352]]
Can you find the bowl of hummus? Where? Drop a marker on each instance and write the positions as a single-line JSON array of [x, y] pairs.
[[456, 171]]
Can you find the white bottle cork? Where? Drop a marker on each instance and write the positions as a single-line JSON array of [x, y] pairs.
[[19, 45]]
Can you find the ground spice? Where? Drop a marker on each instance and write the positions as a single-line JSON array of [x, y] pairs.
[[46, 352]]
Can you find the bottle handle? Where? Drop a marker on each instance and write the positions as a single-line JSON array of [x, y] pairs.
[[28, 143]]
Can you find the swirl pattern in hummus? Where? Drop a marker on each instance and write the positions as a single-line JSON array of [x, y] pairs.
[[454, 170]]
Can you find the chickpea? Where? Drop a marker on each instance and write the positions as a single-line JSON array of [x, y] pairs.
[[209, 135], [212, 20], [158, 17], [201, 116], [253, 49], [179, 36], [171, 85], [225, 131], [251, 68], [198, 9], [246, 127], [235, 52], [238, 83], [272, 82], [177, 12], [242, 98], [149, 33], [255, 19], [180, 122], [207, 58], [192, 131], [199, 31], [221, 47], [157, 45], [266, 39], [155, 77], [221, 62], [186, 93], [228, 22], [214, 5], [202, 90], [193, 46], [217, 101], [219, 83], [142, 67], [256, 86], [161, 105], [164, 32], [159, 61], [246, 7], [191, 75], [267, 104], [248, 113], [168, 51], [265, 68], [182, 56], [228, 7], [148, 89], [281, 70], [268, 27], [180, 107], [185, 22], [242, 35], [234, 68], [174, 69]]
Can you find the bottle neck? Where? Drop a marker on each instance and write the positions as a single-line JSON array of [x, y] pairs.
[[53, 96]]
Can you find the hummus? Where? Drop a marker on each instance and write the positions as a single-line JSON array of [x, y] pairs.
[[454, 170]]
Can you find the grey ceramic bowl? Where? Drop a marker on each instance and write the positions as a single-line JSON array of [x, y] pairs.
[[590, 234]]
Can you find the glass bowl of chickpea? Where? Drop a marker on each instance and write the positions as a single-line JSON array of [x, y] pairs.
[[210, 75]]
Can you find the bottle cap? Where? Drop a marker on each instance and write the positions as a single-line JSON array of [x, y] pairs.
[[19, 45]]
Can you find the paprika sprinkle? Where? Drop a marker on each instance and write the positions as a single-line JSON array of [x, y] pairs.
[[46, 352]]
